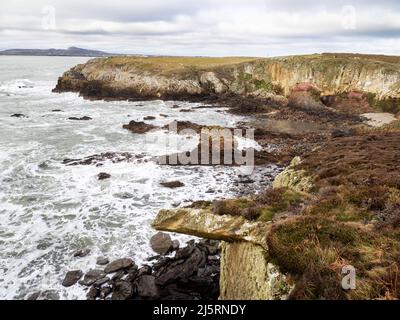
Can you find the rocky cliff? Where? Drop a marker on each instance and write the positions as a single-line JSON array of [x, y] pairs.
[[333, 78]]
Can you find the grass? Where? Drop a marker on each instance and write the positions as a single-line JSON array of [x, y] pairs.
[[264, 207], [352, 218], [173, 65]]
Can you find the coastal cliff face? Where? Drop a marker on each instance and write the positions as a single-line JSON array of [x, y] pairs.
[[335, 79]]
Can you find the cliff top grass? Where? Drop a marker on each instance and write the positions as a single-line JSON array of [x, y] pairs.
[[352, 218], [168, 65]]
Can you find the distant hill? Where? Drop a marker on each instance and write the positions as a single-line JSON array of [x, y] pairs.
[[70, 52]]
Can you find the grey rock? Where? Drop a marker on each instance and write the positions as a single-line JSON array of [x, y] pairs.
[[102, 261], [101, 281], [123, 195], [103, 176], [44, 295], [91, 277], [146, 287], [93, 293], [161, 243], [81, 253], [122, 290], [119, 264], [72, 277]]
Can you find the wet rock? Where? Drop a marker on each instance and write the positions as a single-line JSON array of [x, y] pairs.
[[100, 158], [181, 269], [118, 276], [146, 287], [101, 261], [72, 277], [45, 295], [104, 292], [184, 125], [139, 127], [149, 118], [101, 281], [161, 243], [85, 118], [103, 176], [34, 296], [81, 253], [145, 270], [186, 110], [119, 264], [122, 290], [93, 293], [56, 110], [123, 195], [175, 245], [172, 184], [91, 277], [18, 115], [164, 115]]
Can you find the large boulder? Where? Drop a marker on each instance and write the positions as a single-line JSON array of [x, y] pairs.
[[161, 243], [119, 264], [146, 287], [139, 127], [72, 277]]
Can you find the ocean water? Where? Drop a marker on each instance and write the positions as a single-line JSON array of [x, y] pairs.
[[49, 210]]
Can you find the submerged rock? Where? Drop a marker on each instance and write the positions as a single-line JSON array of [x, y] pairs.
[[85, 118], [45, 295], [161, 243], [18, 115], [103, 176], [172, 184], [81, 253], [139, 127], [102, 261], [149, 118], [146, 287]]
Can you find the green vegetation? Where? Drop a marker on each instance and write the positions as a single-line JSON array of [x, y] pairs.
[[263, 207], [352, 218], [172, 65]]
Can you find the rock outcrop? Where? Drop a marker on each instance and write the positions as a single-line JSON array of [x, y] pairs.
[[246, 270], [376, 79]]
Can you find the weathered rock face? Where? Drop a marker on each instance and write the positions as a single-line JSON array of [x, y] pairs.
[[246, 272], [267, 79], [203, 223], [293, 178]]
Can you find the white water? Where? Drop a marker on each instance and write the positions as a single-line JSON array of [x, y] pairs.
[[49, 211]]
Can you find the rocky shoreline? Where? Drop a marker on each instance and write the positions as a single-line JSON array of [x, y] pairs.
[[191, 273]]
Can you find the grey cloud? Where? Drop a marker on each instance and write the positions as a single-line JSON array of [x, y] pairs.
[[208, 27]]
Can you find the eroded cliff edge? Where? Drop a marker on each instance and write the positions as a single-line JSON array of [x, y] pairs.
[[336, 79]]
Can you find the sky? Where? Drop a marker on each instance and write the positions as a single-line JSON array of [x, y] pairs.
[[204, 27]]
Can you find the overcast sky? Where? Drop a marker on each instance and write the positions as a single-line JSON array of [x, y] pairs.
[[203, 27]]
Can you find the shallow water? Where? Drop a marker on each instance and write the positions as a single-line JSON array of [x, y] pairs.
[[49, 210]]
